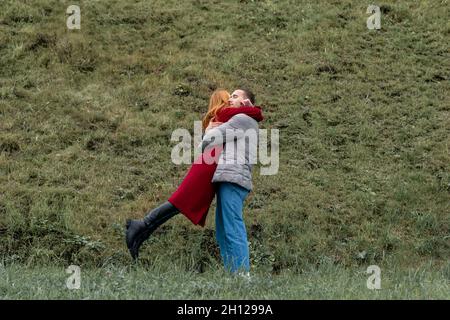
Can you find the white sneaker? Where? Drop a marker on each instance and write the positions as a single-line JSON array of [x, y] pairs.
[[245, 275]]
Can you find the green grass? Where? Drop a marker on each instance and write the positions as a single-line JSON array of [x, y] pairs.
[[174, 282], [86, 118]]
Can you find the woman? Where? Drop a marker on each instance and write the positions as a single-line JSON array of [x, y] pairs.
[[196, 192]]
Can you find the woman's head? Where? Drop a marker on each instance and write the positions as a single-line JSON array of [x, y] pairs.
[[218, 100]]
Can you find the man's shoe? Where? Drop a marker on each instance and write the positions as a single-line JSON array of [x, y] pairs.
[[244, 274]]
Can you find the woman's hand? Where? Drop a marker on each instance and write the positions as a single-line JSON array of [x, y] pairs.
[[212, 124]]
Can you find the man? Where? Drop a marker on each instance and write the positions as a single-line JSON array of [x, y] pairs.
[[233, 180]]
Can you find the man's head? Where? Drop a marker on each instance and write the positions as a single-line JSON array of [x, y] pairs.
[[239, 95]]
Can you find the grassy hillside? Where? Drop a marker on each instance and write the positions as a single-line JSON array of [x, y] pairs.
[[86, 118], [174, 282]]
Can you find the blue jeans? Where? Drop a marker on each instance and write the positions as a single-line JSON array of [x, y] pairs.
[[230, 227]]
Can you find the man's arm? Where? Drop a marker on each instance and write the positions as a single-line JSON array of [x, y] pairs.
[[233, 128]]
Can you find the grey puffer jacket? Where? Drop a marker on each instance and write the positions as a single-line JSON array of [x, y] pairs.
[[240, 135]]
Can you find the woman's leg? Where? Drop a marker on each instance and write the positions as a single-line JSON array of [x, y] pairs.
[[161, 214], [139, 230]]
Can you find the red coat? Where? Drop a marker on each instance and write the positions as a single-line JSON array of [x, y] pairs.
[[196, 192]]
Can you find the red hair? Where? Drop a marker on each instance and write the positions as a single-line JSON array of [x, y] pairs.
[[218, 100]]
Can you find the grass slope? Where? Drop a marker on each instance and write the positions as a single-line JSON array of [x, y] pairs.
[[86, 118]]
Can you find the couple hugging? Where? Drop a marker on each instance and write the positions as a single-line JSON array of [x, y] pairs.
[[231, 181]]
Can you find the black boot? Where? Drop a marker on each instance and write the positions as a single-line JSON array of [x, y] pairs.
[[139, 230]]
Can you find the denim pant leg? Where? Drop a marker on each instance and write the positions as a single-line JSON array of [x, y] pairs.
[[230, 218], [220, 231]]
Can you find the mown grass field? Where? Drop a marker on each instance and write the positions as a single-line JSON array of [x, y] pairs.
[[175, 282], [86, 118]]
